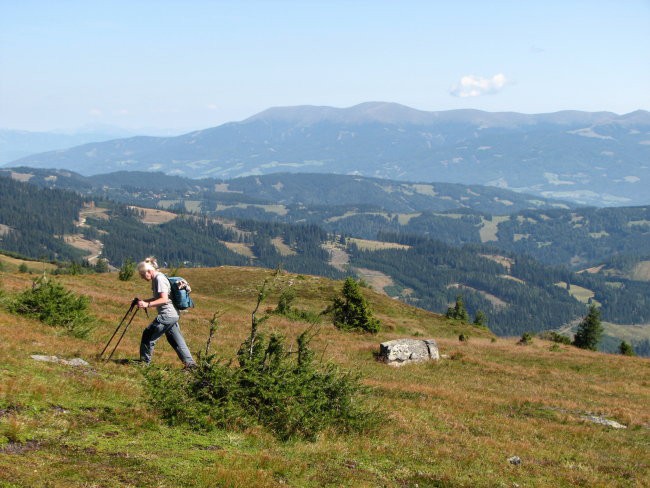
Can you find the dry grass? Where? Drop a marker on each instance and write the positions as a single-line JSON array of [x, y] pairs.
[[578, 292], [12, 264], [92, 211], [92, 248], [154, 216], [282, 248], [453, 423], [339, 258], [489, 228], [641, 271], [368, 245]]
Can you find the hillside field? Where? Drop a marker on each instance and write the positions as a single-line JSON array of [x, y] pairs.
[[452, 423]]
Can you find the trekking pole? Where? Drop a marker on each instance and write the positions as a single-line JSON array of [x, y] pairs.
[[133, 304]]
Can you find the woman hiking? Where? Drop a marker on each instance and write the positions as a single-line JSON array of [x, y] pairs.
[[166, 322]]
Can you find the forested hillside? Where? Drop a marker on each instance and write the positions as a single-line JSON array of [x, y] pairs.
[[33, 220], [516, 292], [286, 189], [365, 207]]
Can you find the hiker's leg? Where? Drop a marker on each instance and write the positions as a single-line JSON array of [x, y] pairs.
[[149, 337], [176, 340]]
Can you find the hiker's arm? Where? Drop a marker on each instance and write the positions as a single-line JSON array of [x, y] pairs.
[[154, 302]]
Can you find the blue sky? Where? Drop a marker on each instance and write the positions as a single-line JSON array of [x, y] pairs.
[[181, 65]]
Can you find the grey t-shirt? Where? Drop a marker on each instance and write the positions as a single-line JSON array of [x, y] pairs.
[[166, 312]]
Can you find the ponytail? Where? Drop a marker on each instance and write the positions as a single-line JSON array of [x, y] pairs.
[[149, 264]]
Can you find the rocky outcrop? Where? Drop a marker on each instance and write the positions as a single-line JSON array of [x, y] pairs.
[[403, 351]]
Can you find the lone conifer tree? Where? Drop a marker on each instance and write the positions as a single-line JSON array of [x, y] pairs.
[[589, 331], [351, 311]]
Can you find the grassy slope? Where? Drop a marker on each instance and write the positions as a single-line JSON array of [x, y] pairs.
[[454, 423]]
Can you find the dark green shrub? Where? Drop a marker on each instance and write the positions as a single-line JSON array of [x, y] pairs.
[[127, 270], [458, 311], [101, 266], [49, 302], [23, 268], [351, 311], [480, 320], [551, 335], [526, 339], [286, 309], [289, 394], [626, 349]]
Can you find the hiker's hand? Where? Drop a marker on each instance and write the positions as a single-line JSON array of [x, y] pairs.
[[142, 304]]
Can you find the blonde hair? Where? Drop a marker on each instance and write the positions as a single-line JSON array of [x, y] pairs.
[[149, 264]]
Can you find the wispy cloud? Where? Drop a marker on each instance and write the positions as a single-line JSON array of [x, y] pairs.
[[475, 86], [212, 106], [95, 112]]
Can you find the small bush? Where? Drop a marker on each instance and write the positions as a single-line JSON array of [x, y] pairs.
[[626, 349], [286, 392], [458, 311], [289, 394], [286, 309], [49, 302], [127, 270], [551, 335], [526, 339], [480, 320], [463, 338]]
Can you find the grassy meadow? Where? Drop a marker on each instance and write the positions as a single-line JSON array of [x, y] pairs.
[[452, 423]]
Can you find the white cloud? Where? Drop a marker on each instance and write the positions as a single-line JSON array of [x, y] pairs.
[[475, 86], [212, 106], [95, 112]]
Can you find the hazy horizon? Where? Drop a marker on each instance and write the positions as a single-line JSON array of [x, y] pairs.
[[173, 66]]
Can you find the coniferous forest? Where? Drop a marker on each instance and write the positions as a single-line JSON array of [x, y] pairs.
[[442, 257]]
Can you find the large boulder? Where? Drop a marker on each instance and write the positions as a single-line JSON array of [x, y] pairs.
[[404, 351]]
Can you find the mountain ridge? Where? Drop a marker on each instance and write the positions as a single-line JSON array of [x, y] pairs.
[[595, 158]]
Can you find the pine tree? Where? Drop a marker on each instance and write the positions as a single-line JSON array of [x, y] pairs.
[[351, 311], [589, 331]]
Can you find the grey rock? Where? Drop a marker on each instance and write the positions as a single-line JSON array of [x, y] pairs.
[[603, 421], [56, 359], [403, 351], [516, 460]]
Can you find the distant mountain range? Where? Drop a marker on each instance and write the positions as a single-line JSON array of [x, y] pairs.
[[590, 158], [15, 144]]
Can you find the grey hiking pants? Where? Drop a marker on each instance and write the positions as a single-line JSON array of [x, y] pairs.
[[154, 331]]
